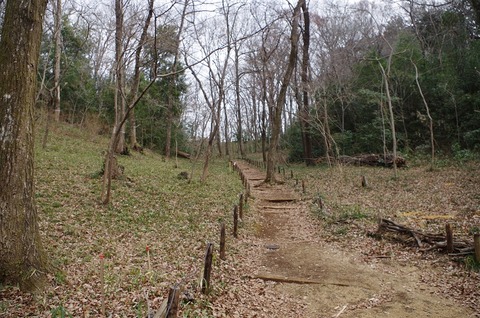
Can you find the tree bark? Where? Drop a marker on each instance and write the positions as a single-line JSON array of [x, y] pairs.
[[136, 77], [170, 105], [277, 112], [119, 76], [22, 260], [305, 115], [430, 119], [58, 52], [227, 138], [386, 75], [238, 102]]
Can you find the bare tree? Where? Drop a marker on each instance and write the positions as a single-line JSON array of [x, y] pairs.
[[430, 120], [58, 54], [119, 127], [305, 109], [170, 101], [281, 99], [214, 93]]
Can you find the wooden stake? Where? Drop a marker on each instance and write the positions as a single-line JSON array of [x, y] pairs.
[[173, 297], [476, 242], [303, 186], [235, 221], [240, 206], [207, 270], [222, 241], [449, 236], [291, 174], [148, 259], [102, 283], [364, 182]]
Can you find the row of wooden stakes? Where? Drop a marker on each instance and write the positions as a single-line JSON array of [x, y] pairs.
[[170, 307]]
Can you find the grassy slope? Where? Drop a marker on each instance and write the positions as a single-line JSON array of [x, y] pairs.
[[151, 206]]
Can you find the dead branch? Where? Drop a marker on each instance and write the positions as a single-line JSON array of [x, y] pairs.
[[426, 241]]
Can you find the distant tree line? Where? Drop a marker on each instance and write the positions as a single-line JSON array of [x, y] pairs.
[[337, 101]]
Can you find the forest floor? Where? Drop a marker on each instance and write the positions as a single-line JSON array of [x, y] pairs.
[[291, 258], [306, 266]]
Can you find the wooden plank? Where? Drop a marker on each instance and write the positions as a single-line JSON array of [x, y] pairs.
[[298, 280]]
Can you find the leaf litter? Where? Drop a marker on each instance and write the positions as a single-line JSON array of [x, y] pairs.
[[176, 219]]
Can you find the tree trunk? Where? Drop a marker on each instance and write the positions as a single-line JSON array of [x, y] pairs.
[[168, 136], [263, 132], [22, 260], [219, 143], [430, 119], [254, 119], [170, 110], [136, 79], [133, 131], [118, 132], [120, 75], [386, 75], [227, 138], [213, 133], [277, 112], [309, 160], [58, 51], [238, 103]]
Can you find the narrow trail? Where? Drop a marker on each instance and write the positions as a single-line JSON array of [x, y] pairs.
[[330, 282]]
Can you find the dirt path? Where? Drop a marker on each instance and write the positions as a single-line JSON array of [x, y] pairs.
[[332, 282]]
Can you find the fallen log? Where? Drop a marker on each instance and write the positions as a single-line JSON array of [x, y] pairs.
[[183, 154], [373, 160], [425, 241]]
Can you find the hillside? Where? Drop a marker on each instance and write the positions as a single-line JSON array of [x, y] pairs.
[[154, 235], [151, 207]]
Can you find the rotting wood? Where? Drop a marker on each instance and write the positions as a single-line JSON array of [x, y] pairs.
[[376, 160], [426, 241], [172, 305], [183, 154]]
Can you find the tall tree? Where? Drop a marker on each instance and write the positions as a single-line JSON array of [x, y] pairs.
[[22, 260], [305, 110], [281, 98], [170, 97], [119, 76], [118, 134], [57, 35]]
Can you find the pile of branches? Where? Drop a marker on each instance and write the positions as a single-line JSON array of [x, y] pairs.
[[425, 241], [375, 160]]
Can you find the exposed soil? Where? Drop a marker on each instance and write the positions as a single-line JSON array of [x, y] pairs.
[[318, 278]]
